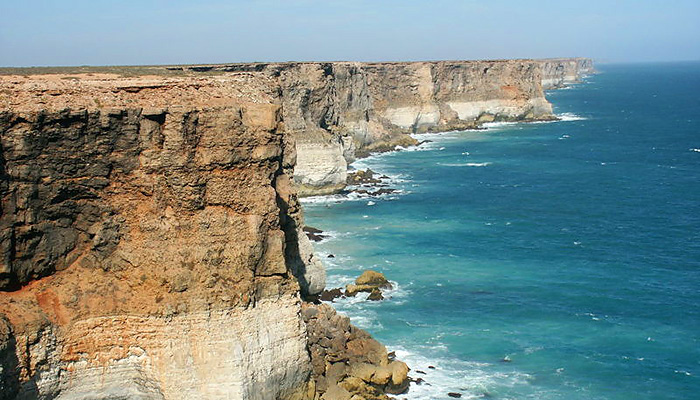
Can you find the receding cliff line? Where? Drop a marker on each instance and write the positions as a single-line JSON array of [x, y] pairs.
[[151, 233], [342, 110], [559, 72]]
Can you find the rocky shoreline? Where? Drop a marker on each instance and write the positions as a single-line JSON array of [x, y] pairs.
[[346, 361]]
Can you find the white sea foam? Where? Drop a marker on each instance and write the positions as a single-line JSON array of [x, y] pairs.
[[335, 198], [498, 125], [565, 117], [469, 164], [472, 379], [695, 150], [438, 137], [352, 195], [421, 147]]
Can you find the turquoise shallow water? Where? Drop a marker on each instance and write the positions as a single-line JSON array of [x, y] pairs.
[[570, 248]]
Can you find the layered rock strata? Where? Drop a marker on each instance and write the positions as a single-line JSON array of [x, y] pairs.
[[151, 240], [339, 111], [342, 110]]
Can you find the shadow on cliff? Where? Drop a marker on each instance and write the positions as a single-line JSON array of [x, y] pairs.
[[292, 253], [9, 364]]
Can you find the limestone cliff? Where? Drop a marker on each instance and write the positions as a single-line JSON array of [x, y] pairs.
[[341, 110], [338, 111], [151, 242], [559, 72]]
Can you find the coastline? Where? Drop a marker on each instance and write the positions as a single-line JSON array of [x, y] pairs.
[[438, 376], [159, 207], [398, 100], [550, 233]]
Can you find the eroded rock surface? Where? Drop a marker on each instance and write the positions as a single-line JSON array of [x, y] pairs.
[[151, 247]]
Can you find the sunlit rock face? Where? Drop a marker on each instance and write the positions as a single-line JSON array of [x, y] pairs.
[[150, 241]]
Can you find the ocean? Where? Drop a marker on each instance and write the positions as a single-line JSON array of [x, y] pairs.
[[539, 261]]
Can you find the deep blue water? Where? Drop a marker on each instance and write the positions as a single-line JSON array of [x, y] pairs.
[[570, 248]]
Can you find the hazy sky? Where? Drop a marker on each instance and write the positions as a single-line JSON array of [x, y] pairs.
[[126, 32]]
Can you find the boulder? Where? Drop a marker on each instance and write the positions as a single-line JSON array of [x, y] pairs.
[[336, 372], [363, 371], [373, 278], [399, 372], [362, 389], [375, 295], [330, 295], [352, 290], [382, 376], [336, 392]]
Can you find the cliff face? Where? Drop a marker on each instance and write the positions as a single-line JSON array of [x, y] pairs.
[[151, 240], [341, 110], [559, 72], [151, 246], [338, 111]]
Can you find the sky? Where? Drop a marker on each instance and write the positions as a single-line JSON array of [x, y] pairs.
[[146, 32]]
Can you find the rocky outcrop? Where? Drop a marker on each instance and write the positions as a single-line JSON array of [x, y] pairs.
[[559, 72], [347, 362], [371, 282]]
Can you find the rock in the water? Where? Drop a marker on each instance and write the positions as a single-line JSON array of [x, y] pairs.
[[330, 295], [352, 290], [373, 278], [331, 256], [314, 234], [375, 295], [370, 282], [399, 377], [361, 177], [383, 191], [455, 395]]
